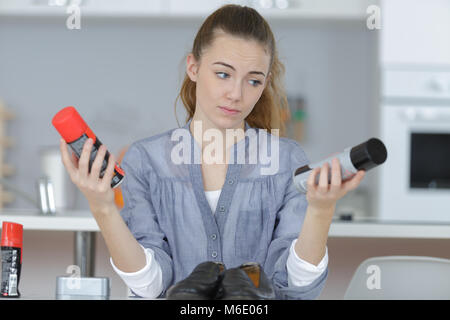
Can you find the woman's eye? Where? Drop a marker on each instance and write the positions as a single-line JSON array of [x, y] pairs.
[[222, 75], [255, 83]]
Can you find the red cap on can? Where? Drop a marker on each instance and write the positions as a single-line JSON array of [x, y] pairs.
[[12, 234], [69, 124]]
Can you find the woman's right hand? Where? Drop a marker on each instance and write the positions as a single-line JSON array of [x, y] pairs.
[[97, 190]]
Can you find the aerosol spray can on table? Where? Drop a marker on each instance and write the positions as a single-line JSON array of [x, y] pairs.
[[11, 249], [364, 156], [74, 130]]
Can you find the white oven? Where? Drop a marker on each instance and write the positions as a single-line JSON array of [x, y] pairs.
[[415, 127]]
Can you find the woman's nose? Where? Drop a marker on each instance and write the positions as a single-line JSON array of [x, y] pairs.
[[235, 91]]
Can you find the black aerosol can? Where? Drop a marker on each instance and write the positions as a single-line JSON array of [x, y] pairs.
[[364, 156]]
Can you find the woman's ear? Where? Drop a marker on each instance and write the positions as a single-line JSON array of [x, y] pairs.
[[191, 67]]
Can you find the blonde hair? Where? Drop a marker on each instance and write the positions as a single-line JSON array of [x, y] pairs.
[[246, 23]]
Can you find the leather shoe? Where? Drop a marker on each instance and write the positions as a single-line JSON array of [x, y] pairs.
[[246, 282], [201, 284]]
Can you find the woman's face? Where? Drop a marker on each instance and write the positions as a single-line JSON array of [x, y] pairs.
[[231, 75]]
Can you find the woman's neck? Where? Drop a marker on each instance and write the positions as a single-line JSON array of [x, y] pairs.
[[206, 134]]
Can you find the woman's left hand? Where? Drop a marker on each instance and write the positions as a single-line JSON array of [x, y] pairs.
[[322, 198]]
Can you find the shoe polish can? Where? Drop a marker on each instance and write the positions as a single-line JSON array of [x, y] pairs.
[[74, 130], [364, 156], [11, 250]]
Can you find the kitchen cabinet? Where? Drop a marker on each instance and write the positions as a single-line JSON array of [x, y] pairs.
[[415, 32], [283, 9], [88, 8], [287, 9], [314, 9]]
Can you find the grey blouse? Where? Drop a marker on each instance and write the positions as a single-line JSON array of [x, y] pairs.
[[258, 215]]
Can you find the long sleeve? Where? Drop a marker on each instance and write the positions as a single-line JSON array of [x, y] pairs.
[[301, 272], [139, 212], [289, 219], [146, 282]]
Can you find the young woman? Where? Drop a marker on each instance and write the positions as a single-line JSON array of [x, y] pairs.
[[177, 215]]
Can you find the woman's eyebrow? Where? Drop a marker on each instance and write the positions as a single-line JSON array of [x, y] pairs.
[[231, 67]]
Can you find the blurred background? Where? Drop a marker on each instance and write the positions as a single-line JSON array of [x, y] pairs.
[[355, 69]]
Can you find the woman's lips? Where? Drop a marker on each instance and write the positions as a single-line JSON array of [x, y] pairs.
[[229, 111]]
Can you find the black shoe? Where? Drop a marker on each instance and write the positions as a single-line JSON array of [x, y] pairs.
[[201, 284], [246, 282]]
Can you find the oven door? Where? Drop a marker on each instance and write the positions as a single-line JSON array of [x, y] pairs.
[[415, 180]]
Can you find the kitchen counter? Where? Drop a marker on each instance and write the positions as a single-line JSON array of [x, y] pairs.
[[362, 228], [81, 223], [61, 221], [374, 228]]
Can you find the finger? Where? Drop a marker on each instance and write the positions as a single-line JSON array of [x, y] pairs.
[[109, 172], [65, 157], [83, 163], [98, 163], [336, 179], [354, 182], [311, 182], [74, 159], [323, 179]]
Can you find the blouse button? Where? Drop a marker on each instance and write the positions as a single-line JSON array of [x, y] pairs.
[[222, 208], [214, 254], [214, 236], [230, 181]]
